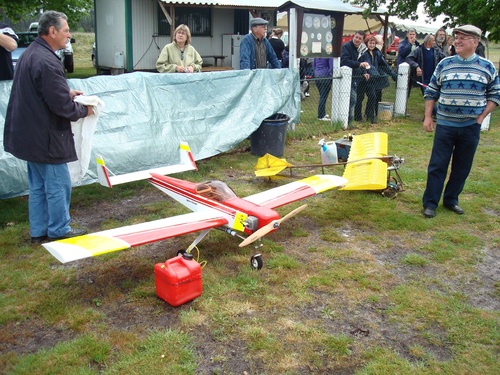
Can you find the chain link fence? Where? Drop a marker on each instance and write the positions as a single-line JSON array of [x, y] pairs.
[[375, 102]]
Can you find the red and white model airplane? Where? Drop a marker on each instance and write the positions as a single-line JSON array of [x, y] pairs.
[[213, 203]]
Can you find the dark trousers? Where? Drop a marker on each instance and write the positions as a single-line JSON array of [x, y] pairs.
[[352, 100], [324, 85], [369, 90], [458, 144], [378, 98]]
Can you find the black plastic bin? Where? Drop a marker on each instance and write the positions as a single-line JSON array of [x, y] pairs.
[[270, 136]]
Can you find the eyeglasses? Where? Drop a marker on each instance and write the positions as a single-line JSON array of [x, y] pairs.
[[181, 32], [460, 38]]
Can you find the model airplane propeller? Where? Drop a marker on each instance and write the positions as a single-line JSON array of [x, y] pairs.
[[213, 203], [273, 225]]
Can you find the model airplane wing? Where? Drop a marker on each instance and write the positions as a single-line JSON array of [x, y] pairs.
[[108, 241], [187, 163], [367, 174], [296, 190]]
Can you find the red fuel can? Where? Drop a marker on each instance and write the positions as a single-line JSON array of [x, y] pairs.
[[178, 280]]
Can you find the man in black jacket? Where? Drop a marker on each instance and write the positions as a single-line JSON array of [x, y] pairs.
[[423, 60], [38, 128], [349, 57]]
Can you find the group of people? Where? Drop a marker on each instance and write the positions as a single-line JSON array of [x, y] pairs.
[[464, 88], [458, 125], [256, 50], [370, 72]]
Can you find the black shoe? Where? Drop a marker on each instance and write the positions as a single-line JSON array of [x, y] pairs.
[[429, 212], [72, 233], [38, 239], [455, 208]]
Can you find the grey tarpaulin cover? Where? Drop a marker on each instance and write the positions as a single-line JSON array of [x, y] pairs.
[[147, 115]]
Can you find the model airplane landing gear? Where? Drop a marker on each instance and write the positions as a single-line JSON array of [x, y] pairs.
[[256, 262]]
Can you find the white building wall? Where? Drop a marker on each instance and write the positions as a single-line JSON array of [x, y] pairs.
[[147, 48], [111, 34], [110, 31]]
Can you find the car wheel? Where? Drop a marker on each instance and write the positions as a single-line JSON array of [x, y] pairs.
[[69, 64]]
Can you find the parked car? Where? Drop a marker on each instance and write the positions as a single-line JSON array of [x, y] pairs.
[[33, 26], [25, 39], [67, 57]]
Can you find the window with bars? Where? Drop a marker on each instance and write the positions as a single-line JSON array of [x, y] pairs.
[[199, 20]]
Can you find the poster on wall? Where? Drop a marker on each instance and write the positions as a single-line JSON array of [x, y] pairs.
[[317, 35]]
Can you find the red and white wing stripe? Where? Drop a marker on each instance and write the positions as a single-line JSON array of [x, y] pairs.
[[107, 241], [296, 190]]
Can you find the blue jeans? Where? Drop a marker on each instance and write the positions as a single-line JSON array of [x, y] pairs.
[[324, 85], [459, 143], [49, 198]]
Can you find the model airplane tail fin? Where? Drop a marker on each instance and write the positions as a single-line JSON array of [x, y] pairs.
[[187, 164]]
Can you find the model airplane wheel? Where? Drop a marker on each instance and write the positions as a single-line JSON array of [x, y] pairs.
[[256, 262]]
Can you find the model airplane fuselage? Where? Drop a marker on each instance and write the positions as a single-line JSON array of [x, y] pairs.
[[240, 214]]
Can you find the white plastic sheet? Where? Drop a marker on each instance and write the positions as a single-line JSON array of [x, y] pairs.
[[147, 115], [83, 132]]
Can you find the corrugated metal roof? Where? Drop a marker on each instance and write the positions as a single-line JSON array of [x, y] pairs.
[[329, 5], [269, 4]]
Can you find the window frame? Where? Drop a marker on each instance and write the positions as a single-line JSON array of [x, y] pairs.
[[187, 16]]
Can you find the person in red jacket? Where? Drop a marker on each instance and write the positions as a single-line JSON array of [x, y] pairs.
[[38, 128]]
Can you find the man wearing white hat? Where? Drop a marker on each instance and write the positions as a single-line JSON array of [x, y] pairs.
[[466, 88], [255, 50]]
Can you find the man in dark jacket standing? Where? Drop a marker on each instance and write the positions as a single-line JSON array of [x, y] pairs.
[[408, 45], [349, 57], [424, 60], [38, 128]]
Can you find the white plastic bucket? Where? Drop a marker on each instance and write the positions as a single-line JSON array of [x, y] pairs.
[[385, 111]]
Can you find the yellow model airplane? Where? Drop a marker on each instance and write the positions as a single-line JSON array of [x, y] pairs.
[[368, 166]]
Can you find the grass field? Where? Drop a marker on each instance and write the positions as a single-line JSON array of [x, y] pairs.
[[83, 51], [355, 284]]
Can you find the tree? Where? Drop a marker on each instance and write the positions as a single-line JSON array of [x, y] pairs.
[[74, 9], [480, 13]]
